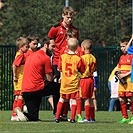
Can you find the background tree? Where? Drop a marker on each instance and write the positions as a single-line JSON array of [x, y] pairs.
[[104, 21], [21, 18]]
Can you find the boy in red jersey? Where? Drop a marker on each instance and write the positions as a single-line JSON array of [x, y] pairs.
[[18, 65], [87, 81], [69, 65], [71, 33], [58, 33], [125, 91]]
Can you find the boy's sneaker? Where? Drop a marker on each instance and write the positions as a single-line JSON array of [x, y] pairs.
[[124, 120], [57, 120], [85, 120], [92, 120], [79, 119], [21, 116], [131, 121], [72, 121], [63, 118], [14, 118]]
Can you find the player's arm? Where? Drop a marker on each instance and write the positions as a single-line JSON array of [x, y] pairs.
[[15, 76], [59, 68], [49, 77], [15, 65], [48, 69], [81, 66], [123, 75], [95, 80], [129, 43]]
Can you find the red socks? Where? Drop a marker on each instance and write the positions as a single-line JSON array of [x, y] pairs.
[[92, 113], [59, 109], [87, 111], [66, 108], [124, 110], [73, 112], [20, 104], [14, 106]]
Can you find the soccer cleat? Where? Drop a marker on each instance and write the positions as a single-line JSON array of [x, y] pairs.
[[79, 118], [92, 120], [20, 115], [63, 118], [131, 121], [14, 118], [72, 121], [57, 120], [124, 120], [85, 120]]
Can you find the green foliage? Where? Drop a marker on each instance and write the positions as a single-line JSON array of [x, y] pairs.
[[21, 18], [104, 21]]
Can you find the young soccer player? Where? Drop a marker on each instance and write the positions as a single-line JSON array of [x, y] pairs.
[[125, 91], [70, 33], [58, 33], [69, 65], [87, 81], [18, 65]]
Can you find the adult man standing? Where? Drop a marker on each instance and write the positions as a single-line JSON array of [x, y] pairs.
[[34, 87]]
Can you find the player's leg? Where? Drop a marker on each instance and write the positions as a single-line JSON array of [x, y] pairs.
[[130, 100], [59, 109], [79, 109], [32, 101], [123, 105], [14, 115], [73, 110]]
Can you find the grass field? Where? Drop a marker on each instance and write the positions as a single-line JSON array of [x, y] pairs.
[[107, 122]]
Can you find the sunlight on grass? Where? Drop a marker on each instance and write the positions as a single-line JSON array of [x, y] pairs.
[[107, 122]]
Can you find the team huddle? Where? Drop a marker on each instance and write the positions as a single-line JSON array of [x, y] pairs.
[[63, 68], [59, 67]]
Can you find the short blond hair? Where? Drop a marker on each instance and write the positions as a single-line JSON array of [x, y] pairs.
[[88, 43], [21, 41], [73, 44], [68, 10]]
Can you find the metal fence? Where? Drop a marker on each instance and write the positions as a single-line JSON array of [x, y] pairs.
[[107, 58]]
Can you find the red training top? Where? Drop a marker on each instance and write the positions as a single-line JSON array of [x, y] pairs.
[[58, 33], [36, 66]]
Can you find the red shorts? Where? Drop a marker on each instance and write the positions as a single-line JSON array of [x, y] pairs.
[[70, 96], [17, 92], [125, 94], [86, 87]]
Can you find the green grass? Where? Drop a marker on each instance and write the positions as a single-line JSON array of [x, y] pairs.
[[107, 122]]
